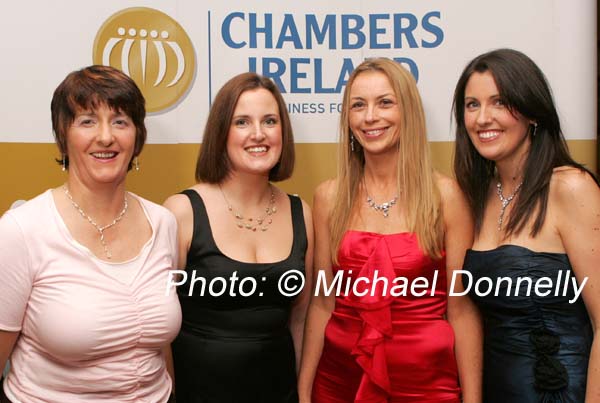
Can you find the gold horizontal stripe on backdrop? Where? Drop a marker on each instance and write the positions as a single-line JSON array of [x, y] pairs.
[[27, 169]]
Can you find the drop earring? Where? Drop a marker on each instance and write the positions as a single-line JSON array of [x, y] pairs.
[[352, 142], [136, 164], [64, 163], [535, 126]]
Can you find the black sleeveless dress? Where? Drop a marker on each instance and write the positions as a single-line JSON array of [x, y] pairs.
[[234, 348], [536, 348]]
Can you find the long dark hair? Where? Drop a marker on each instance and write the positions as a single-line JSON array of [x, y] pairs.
[[525, 90]]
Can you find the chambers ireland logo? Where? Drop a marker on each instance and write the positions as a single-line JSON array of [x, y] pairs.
[[151, 48]]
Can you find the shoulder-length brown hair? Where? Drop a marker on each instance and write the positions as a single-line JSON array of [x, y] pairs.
[[213, 164], [88, 88], [418, 190]]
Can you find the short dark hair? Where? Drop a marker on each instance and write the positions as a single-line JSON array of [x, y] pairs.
[[86, 89], [524, 89], [213, 164]]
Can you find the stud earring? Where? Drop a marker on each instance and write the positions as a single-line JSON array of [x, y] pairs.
[[64, 163], [136, 164]]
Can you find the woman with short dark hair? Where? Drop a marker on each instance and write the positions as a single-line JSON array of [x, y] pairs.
[[84, 313], [537, 215]]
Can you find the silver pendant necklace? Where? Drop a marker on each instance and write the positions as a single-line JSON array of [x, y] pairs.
[[505, 201], [383, 207], [252, 223], [91, 221]]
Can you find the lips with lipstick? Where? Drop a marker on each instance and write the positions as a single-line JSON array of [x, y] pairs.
[[488, 135], [257, 149], [105, 155], [372, 133]]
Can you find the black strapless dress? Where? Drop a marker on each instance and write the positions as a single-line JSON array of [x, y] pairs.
[[536, 349], [234, 349]]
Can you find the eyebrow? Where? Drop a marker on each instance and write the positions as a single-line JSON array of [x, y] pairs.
[[92, 113], [490, 97], [387, 94], [85, 113], [248, 116]]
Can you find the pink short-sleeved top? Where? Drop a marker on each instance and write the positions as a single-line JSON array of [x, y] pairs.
[[85, 335]]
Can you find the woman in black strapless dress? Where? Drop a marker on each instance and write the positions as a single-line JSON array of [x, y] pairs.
[[537, 219], [243, 244]]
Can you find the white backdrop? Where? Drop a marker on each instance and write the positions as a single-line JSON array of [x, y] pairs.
[[43, 41]]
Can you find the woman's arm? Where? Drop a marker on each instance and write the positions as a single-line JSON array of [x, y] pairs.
[[7, 342], [462, 314], [180, 206], [168, 354], [321, 306], [298, 314], [577, 198], [15, 285]]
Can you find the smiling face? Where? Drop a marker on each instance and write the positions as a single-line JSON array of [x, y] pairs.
[[497, 133], [100, 145], [254, 140], [374, 114]]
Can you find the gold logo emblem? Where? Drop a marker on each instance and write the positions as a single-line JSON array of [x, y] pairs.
[[152, 49]]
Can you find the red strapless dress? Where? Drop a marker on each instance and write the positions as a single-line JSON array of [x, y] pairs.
[[384, 349]]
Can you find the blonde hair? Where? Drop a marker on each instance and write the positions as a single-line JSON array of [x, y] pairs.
[[418, 191]]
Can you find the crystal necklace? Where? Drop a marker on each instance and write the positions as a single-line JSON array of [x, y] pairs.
[[91, 221], [252, 223], [383, 207], [505, 201]]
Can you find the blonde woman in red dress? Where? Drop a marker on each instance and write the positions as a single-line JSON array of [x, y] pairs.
[[389, 211]]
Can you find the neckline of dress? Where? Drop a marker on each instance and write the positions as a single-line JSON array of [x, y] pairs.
[[402, 233], [520, 247], [241, 262]]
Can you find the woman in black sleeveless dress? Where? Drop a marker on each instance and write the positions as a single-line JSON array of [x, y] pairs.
[[244, 245], [537, 220]]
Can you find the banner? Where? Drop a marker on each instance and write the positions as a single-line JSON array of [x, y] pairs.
[[180, 53]]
